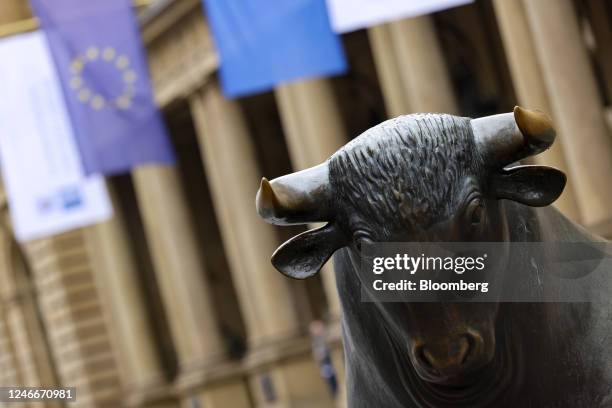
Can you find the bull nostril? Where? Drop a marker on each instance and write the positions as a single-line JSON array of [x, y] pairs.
[[420, 355], [446, 355], [428, 358], [467, 344]]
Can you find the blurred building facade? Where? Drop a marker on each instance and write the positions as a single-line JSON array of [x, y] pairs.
[[173, 302]]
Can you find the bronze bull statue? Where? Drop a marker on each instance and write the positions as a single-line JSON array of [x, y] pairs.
[[436, 177]]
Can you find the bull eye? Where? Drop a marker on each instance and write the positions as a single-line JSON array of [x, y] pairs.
[[361, 238], [475, 212]]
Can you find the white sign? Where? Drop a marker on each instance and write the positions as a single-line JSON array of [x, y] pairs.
[[47, 190], [351, 15]]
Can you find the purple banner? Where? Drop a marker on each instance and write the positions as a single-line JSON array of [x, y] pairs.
[[99, 56]]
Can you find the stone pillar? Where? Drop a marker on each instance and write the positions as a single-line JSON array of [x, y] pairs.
[[271, 320], [181, 275], [576, 105], [142, 377], [411, 67], [314, 131], [13, 10], [18, 299], [70, 307], [233, 175], [530, 88], [599, 15], [9, 311], [9, 369], [9, 374], [178, 266], [388, 69]]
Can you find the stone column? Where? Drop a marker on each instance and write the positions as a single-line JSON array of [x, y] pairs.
[[265, 300], [179, 266], [13, 10], [29, 345], [411, 67], [599, 15], [11, 372], [9, 369], [314, 131], [388, 69], [9, 295], [71, 312], [23, 323], [530, 86], [185, 293], [115, 268], [231, 168], [576, 104]]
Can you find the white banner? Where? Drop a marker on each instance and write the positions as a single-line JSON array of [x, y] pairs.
[[43, 178], [351, 15]]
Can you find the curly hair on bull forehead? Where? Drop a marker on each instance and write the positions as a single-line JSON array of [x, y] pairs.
[[404, 170]]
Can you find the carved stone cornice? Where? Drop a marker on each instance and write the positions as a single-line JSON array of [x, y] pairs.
[[179, 46]]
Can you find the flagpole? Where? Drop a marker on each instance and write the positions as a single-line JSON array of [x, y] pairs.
[[31, 24]]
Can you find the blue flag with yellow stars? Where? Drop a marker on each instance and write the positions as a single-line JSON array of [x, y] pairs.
[[101, 63], [262, 43]]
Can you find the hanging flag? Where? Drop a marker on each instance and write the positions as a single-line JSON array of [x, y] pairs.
[[262, 43], [47, 190], [351, 15], [101, 64]]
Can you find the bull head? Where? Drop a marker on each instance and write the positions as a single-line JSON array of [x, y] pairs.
[[307, 196]]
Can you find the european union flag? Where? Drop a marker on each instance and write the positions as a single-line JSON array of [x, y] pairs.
[[265, 42], [100, 60]]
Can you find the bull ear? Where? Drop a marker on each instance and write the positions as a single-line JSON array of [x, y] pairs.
[[536, 186], [304, 255]]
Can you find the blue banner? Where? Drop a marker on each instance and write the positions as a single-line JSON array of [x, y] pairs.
[[102, 67], [262, 43]]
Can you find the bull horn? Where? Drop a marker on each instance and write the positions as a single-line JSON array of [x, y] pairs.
[[296, 198], [509, 137]]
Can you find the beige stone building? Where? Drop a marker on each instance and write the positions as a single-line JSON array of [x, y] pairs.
[[173, 302]]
